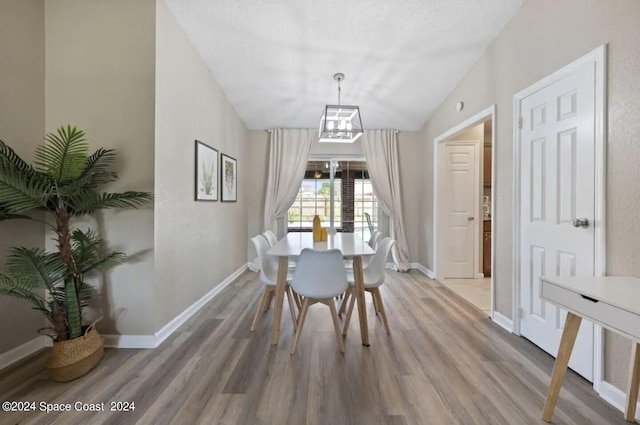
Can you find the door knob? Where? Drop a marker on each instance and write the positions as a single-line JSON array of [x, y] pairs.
[[470, 218], [580, 222]]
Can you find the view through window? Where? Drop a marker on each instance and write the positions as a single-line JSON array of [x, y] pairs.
[[353, 199]]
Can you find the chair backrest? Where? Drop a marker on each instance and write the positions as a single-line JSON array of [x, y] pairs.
[[374, 272], [369, 223], [320, 274], [270, 237], [373, 240], [268, 263]]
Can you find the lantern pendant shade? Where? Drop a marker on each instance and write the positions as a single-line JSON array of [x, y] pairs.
[[340, 124]]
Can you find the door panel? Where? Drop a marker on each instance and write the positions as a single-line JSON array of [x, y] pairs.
[[461, 186], [557, 185]]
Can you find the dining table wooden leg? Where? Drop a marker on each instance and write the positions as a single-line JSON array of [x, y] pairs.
[[571, 326], [359, 294], [633, 384], [281, 285]]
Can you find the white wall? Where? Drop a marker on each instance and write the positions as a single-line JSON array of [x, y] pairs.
[[198, 244], [22, 128], [258, 162], [100, 64], [544, 36]]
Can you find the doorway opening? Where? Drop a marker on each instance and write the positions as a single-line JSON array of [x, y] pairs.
[[464, 214]]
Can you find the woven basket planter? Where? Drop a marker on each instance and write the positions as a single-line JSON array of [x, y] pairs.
[[73, 358]]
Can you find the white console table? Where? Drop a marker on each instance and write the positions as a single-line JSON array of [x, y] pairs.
[[612, 302]]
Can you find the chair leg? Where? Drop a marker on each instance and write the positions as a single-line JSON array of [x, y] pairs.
[[296, 298], [303, 315], [383, 313], [263, 301], [349, 313], [376, 307], [292, 309], [336, 324], [345, 300], [268, 303]]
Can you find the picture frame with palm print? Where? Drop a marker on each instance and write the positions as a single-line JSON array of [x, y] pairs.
[[206, 184], [228, 179]]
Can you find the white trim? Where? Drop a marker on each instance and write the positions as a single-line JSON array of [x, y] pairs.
[[502, 321], [599, 57], [180, 319], [129, 341], [616, 397], [152, 341], [494, 179], [489, 112], [515, 271], [25, 350], [425, 271]]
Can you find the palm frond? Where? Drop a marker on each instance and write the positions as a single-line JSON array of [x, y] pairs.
[[21, 287], [22, 191], [90, 252], [64, 155], [103, 261], [8, 156], [88, 202], [98, 165], [96, 173], [5, 215], [44, 269]]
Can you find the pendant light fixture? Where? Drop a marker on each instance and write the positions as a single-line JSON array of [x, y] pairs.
[[340, 123]]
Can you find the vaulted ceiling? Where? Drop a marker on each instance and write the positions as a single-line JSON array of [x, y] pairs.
[[275, 59]]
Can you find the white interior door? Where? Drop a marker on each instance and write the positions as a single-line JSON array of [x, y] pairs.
[[461, 203], [557, 186]]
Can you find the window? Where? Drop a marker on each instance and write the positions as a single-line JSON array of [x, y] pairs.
[[365, 202], [314, 198], [353, 197]]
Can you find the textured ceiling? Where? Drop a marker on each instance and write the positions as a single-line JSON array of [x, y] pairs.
[[275, 59]]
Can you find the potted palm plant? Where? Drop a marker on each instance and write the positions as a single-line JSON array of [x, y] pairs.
[[61, 185]]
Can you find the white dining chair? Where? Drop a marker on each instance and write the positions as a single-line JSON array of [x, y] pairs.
[[374, 239], [374, 277], [272, 240], [269, 275], [270, 237], [319, 277]]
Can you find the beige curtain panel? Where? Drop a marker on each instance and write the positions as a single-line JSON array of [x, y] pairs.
[[381, 151], [288, 156]]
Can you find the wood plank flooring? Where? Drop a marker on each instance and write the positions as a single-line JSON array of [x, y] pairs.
[[445, 363]]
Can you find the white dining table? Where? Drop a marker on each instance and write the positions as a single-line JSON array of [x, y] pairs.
[[352, 247]]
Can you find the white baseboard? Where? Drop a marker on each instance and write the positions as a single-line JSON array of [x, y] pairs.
[[425, 271], [20, 352], [152, 341], [129, 341], [616, 397], [171, 327], [502, 321]]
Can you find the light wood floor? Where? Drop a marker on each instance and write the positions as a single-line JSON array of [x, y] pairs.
[[444, 364], [476, 291]]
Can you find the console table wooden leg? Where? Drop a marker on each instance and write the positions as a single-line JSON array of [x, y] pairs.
[[633, 384], [571, 326]]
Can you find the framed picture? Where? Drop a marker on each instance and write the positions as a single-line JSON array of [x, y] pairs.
[[229, 178], [206, 172]]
